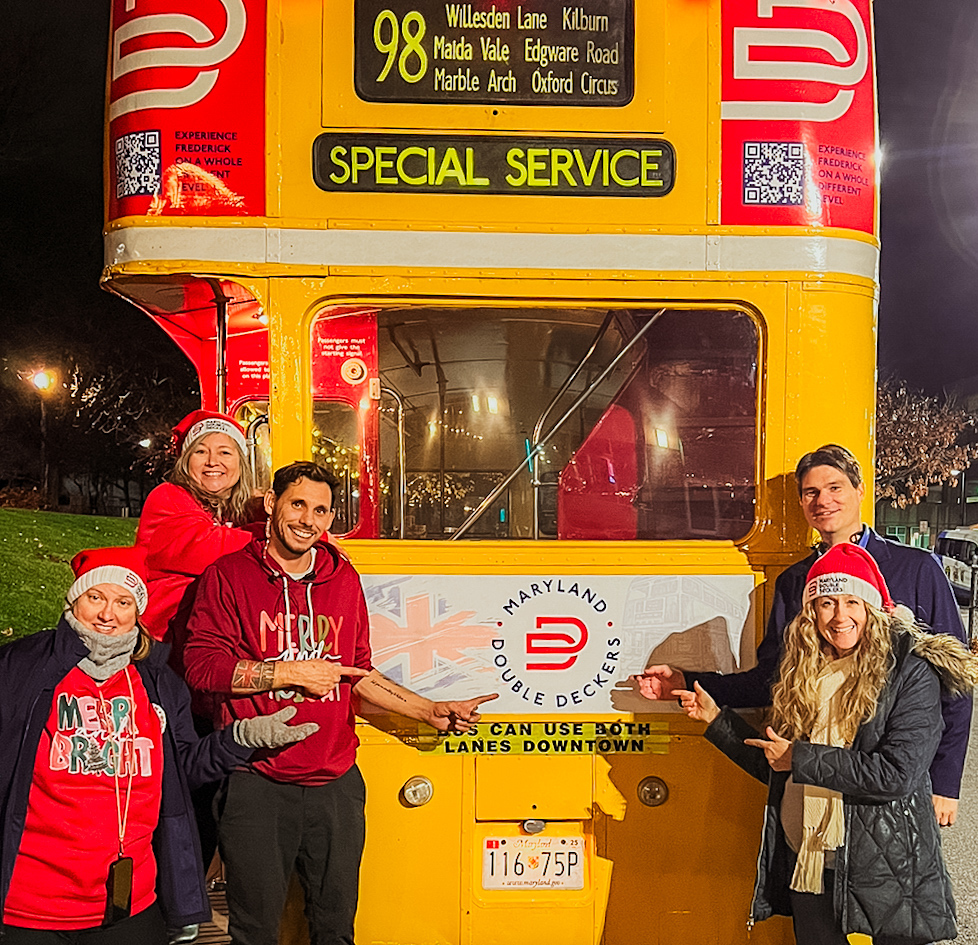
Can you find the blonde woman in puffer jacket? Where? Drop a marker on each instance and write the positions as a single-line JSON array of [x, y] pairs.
[[850, 840]]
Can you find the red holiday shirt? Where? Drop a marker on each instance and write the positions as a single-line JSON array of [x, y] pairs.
[[94, 739]]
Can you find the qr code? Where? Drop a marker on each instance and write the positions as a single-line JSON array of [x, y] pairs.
[[138, 164], [774, 173]]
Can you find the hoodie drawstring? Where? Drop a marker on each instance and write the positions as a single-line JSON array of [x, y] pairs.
[[288, 611], [294, 648]]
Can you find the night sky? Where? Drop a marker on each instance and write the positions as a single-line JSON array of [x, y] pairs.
[[927, 63], [52, 64]]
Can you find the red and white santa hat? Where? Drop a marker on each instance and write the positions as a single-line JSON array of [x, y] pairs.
[[850, 570], [201, 422], [123, 566]]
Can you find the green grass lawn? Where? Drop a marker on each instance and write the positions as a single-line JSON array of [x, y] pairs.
[[36, 549]]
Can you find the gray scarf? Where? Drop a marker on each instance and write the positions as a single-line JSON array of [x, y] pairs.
[[107, 653]]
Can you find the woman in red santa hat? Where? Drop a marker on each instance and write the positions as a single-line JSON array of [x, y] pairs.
[[190, 521], [850, 842], [97, 755]]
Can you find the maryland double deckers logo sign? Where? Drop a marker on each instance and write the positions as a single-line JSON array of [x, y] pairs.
[[552, 644], [187, 107], [798, 114], [555, 647]]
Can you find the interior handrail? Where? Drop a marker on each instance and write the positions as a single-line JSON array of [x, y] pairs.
[[532, 453], [402, 473], [538, 426], [251, 439]]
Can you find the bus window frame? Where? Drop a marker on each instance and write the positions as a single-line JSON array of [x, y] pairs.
[[374, 305]]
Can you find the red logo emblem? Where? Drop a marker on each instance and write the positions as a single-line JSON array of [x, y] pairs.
[[567, 644]]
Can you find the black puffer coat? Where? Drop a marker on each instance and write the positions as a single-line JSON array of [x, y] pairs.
[[890, 881]]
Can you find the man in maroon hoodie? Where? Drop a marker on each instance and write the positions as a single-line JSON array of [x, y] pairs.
[[284, 620]]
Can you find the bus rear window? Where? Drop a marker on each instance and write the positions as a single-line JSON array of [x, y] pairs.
[[548, 423]]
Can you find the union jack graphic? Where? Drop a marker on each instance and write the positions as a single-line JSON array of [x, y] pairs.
[[424, 641]]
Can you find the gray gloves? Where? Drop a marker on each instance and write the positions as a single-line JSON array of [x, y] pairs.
[[270, 731]]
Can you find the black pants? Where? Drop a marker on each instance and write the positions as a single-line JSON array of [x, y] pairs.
[[267, 830], [144, 928], [814, 918], [203, 801]]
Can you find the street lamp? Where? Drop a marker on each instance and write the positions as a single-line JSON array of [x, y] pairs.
[[43, 381], [959, 475]]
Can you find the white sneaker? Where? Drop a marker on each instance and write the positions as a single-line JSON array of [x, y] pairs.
[[182, 936]]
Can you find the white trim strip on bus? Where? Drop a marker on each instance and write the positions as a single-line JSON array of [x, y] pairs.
[[415, 249]]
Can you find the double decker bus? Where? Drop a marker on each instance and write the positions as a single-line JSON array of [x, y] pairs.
[[560, 291]]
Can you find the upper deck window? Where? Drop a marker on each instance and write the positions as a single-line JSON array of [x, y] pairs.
[[536, 422]]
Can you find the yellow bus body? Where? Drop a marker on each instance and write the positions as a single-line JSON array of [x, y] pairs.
[[679, 872]]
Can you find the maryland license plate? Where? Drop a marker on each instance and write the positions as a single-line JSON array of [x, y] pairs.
[[533, 862]]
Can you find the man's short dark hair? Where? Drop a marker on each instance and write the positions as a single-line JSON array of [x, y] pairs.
[[303, 469], [831, 454]]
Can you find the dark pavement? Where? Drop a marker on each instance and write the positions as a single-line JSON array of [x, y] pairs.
[[961, 848]]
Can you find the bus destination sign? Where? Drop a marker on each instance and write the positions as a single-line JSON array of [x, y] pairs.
[[537, 52], [493, 164]]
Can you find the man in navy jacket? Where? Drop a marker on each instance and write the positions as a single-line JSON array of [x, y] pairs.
[[830, 490]]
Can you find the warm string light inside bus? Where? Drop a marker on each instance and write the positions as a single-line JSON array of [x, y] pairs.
[[426, 488], [451, 422], [343, 461], [433, 426], [433, 487], [492, 409]]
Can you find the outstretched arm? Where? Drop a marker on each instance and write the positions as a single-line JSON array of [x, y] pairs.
[[659, 682], [386, 694], [314, 677], [697, 703]]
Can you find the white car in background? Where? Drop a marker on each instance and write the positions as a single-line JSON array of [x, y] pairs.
[[958, 550]]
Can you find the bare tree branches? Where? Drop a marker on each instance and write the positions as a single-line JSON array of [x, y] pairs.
[[918, 443], [104, 425]]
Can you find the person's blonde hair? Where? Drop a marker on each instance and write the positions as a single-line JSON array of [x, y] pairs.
[[230, 508], [795, 701], [143, 645]]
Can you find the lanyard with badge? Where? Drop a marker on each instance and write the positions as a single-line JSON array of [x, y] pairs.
[[118, 885]]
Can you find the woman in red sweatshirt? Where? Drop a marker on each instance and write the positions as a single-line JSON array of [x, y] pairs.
[[97, 756], [192, 520]]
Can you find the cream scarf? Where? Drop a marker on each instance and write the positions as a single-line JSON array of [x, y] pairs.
[[824, 819]]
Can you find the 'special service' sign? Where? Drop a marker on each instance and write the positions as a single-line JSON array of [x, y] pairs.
[[503, 164]]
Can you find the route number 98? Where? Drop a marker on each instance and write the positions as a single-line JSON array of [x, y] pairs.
[[387, 38]]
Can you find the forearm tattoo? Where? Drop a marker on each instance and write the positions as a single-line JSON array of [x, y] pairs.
[[391, 688], [252, 676]]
